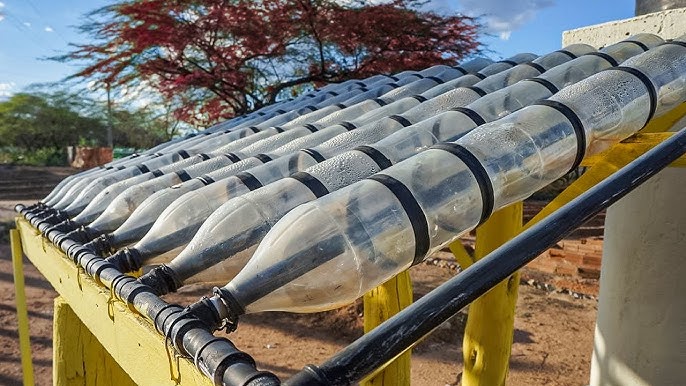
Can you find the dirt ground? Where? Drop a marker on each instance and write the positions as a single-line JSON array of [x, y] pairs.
[[552, 341]]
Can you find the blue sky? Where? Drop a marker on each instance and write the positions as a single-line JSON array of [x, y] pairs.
[[35, 29]]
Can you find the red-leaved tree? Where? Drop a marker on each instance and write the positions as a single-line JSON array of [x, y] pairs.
[[216, 59]]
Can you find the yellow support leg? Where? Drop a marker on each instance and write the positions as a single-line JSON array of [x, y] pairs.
[[488, 335], [78, 357], [380, 304], [22, 312]]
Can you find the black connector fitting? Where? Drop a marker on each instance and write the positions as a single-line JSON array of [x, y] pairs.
[[126, 260], [162, 280]]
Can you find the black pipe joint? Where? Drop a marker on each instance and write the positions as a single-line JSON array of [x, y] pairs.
[[63, 227], [126, 260], [162, 280], [99, 245], [206, 313], [53, 219], [310, 375]]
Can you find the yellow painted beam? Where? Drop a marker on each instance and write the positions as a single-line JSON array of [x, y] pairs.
[[79, 359], [22, 311], [634, 146], [667, 121], [464, 258], [490, 324], [129, 338], [380, 304]]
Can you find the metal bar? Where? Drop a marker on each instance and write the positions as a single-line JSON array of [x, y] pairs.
[[22, 312], [400, 332]]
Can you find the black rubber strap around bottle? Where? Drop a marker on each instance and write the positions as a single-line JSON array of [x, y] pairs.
[[420, 76], [477, 90], [143, 168], [479, 75], [471, 114], [348, 125], [462, 70], [436, 79], [650, 87], [676, 42], [605, 56], [254, 129], [121, 167], [183, 175], [184, 154], [380, 102], [361, 84], [312, 108], [577, 125], [394, 85], [310, 127], [279, 129], [643, 46], [340, 106], [571, 55], [545, 83], [510, 62], [479, 173], [312, 183], [420, 98], [414, 212], [157, 173], [379, 159], [535, 66], [204, 156], [249, 180], [395, 78], [314, 154], [261, 113], [279, 111], [263, 157], [400, 119], [232, 157], [333, 93], [205, 179]]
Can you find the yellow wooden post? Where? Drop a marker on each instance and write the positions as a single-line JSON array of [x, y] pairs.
[[488, 335], [79, 359], [380, 304], [22, 312]]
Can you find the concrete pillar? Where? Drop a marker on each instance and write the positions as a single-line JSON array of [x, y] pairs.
[[640, 336]]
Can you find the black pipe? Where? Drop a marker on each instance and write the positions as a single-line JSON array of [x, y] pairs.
[[400, 332]]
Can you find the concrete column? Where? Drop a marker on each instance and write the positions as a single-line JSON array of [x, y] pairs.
[[640, 336]]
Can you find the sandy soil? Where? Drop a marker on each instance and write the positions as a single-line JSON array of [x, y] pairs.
[[552, 341]]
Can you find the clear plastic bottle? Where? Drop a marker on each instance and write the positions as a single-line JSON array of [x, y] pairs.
[[327, 253]]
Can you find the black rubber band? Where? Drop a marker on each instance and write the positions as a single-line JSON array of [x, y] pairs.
[[479, 173], [510, 62], [121, 167], [414, 212], [157, 173], [249, 180], [643, 46], [471, 114], [317, 156], [333, 93], [379, 159], [279, 129], [605, 56], [261, 113], [395, 78], [143, 168], [400, 119], [571, 55], [205, 179], [232, 157], [535, 66], [545, 83], [420, 98], [254, 129], [675, 42], [310, 127], [312, 108], [348, 125], [204, 156], [436, 79], [577, 125], [183, 175], [479, 75], [477, 90], [279, 111], [462, 70], [650, 87], [264, 158], [340, 106], [315, 186], [394, 85], [183, 154], [380, 101], [420, 76]]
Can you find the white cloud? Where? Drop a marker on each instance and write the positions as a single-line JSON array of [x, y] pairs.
[[49, 29], [2, 17], [503, 17], [6, 89], [26, 23], [2, 5]]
